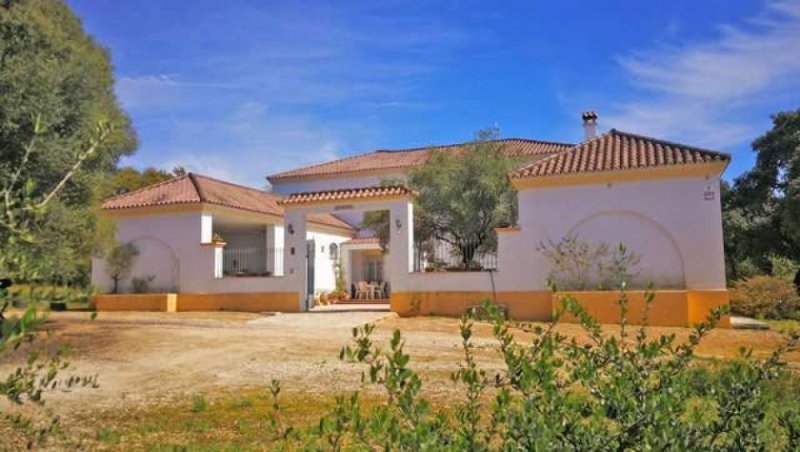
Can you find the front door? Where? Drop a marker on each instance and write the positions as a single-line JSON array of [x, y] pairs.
[[310, 254]]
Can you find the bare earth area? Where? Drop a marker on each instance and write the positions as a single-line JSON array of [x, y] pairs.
[[153, 358]]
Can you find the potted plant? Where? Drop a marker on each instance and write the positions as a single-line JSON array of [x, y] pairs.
[[218, 240]]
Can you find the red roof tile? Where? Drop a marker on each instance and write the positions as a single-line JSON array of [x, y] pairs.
[[197, 189], [363, 241], [348, 194], [616, 151], [406, 158]]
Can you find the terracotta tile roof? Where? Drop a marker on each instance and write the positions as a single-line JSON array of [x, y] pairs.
[[406, 158], [197, 189], [615, 151], [348, 194], [363, 241]]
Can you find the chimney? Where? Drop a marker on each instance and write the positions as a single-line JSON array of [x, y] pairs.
[[589, 124]]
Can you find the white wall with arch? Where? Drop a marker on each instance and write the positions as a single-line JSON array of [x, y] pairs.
[[161, 240], [674, 225], [658, 253], [173, 249]]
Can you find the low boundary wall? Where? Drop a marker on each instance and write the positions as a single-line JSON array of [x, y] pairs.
[[680, 308], [179, 302], [163, 302]]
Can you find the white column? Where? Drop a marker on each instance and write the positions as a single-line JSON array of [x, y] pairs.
[[279, 249], [346, 262], [206, 227], [275, 245], [218, 262], [401, 243], [294, 252]]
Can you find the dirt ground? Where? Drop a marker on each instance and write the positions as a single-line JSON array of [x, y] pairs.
[[144, 358]]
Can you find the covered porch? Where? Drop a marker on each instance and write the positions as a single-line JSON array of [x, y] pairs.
[[251, 246], [369, 273], [363, 263]]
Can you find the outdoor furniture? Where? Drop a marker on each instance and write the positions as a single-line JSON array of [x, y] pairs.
[[363, 290], [379, 289]]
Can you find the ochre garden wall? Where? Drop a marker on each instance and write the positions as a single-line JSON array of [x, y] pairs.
[[533, 306], [669, 308], [241, 302], [164, 302]]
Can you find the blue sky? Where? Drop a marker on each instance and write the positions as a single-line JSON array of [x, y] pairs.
[[242, 89]]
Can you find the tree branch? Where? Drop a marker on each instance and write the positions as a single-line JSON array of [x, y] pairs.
[[103, 132]]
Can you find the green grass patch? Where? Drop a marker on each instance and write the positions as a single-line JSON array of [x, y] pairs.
[[784, 326], [199, 403], [108, 436], [235, 421]]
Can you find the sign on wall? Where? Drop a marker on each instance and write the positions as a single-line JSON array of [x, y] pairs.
[[709, 194]]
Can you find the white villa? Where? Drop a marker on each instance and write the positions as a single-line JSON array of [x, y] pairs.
[[209, 244]]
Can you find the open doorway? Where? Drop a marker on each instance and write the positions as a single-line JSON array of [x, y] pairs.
[[357, 268]]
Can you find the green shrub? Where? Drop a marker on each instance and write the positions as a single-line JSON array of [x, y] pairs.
[[782, 267], [142, 285], [615, 391], [578, 265], [768, 297]]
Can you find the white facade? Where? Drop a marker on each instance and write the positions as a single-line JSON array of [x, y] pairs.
[[290, 186], [669, 216], [176, 254], [674, 225]]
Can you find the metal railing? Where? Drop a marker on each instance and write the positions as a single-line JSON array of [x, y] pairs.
[[252, 261], [436, 255]]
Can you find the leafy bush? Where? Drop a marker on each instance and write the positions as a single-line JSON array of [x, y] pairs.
[[578, 265], [23, 422], [768, 297], [782, 267], [620, 391], [142, 285]]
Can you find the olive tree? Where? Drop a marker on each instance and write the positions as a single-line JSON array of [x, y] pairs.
[[119, 262]]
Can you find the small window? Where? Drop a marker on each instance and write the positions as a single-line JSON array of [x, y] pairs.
[[334, 251]]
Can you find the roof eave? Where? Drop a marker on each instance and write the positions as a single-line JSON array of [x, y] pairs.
[[705, 169]]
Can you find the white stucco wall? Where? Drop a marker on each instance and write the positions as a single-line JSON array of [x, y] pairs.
[[674, 225], [172, 251], [324, 273], [169, 249], [322, 184], [397, 263]]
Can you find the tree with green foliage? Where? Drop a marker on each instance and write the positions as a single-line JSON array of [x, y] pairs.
[[463, 197], [56, 85], [119, 263], [761, 212], [21, 211], [129, 179]]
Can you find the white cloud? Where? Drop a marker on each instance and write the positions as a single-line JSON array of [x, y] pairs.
[[706, 92], [251, 142], [154, 92]]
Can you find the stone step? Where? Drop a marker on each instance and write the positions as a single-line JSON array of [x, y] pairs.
[[376, 301]]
